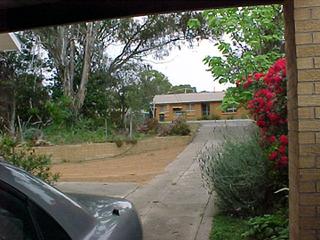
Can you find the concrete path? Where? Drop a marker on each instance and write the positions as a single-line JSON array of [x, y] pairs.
[[173, 205]]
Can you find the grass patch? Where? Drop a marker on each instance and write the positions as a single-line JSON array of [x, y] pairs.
[[73, 136], [228, 228], [60, 136]]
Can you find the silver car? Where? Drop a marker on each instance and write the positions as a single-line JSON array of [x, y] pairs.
[[31, 209]]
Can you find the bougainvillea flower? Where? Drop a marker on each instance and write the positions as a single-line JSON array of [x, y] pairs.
[[283, 161], [268, 108], [258, 76], [261, 123], [273, 155], [247, 83], [283, 140], [282, 149], [272, 139], [274, 117]]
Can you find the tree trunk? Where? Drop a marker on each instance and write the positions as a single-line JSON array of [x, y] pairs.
[[130, 131], [13, 115], [79, 98], [62, 61]]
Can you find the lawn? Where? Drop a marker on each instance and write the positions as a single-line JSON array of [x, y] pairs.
[[228, 228]]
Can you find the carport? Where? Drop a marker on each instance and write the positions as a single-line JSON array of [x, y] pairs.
[[303, 54]]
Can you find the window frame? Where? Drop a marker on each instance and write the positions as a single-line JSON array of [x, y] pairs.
[[29, 204], [24, 200]]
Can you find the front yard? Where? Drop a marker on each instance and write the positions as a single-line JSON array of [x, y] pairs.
[[138, 168]]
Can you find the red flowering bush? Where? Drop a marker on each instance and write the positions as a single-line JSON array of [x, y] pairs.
[[268, 107]]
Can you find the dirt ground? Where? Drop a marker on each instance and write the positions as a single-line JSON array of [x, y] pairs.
[[138, 168]]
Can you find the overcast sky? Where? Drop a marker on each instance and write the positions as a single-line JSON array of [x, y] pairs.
[[185, 66]]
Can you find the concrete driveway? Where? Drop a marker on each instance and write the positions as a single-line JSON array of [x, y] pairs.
[[173, 205]]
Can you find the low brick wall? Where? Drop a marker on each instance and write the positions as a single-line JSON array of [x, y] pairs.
[[95, 151]]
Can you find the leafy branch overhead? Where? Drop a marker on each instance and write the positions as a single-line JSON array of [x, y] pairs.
[[250, 39]]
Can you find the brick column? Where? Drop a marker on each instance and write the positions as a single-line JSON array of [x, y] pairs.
[[303, 53]]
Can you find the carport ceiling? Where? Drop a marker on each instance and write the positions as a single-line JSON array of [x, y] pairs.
[[24, 14]]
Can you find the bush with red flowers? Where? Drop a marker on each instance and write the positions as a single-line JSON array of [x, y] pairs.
[[268, 107]]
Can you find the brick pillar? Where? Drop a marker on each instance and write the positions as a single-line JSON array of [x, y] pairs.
[[303, 54]]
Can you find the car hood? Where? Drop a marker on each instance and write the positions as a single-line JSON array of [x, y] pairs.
[[116, 218]]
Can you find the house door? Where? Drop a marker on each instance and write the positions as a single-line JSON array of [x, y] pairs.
[[205, 108]]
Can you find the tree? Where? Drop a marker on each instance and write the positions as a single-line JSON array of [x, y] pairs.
[[152, 83], [80, 49], [61, 43], [182, 88], [22, 93], [250, 39]]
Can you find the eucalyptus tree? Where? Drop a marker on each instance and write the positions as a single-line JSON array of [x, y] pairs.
[[80, 49]]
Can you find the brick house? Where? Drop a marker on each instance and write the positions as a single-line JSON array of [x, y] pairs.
[[194, 106]]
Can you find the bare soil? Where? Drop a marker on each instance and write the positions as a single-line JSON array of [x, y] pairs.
[[138, 168]]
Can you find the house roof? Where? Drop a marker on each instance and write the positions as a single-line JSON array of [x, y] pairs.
[[24, 14], [9, 42], [189, 97]]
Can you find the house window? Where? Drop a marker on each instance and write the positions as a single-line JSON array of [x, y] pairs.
[[231, 110], [177, 111], [190, 108]]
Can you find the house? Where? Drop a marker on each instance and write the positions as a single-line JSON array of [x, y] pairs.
[[9, 42], [194, 106]]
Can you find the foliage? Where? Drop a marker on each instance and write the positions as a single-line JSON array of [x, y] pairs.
[[178, 127], [269, 227], [150, 125], [237, 170], [250, 39], [84, 131], [32, 134], [22, 93], [268, 106], [24, 157], [211, 117], [228, 228], [77, 51], [118, 142], [215, 117], [60, 111], [182, 88]]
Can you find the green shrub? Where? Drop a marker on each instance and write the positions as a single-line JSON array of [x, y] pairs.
[[180, 127], [25, 158], [150, 125], [132, 141], [228, 228], [215, 117], [118, 142], [73, 135], [60, 111], [32, 134], [237, 170], [268, 227], [177, 127]]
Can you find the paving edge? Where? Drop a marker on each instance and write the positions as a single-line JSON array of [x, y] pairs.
[[204, 228]]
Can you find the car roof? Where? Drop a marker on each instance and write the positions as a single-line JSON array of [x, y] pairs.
[[76, 221]]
